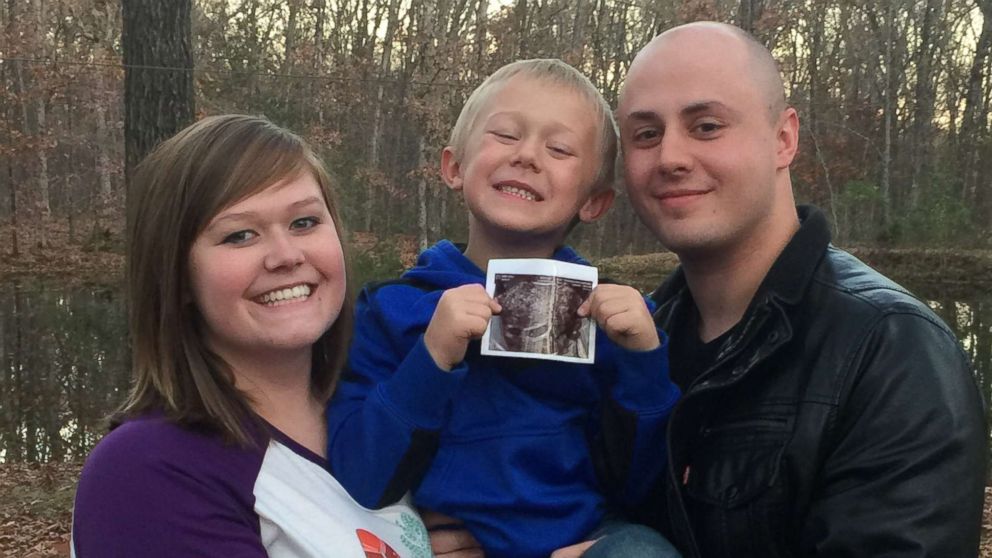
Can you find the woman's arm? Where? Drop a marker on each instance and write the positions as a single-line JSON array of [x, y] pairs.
[[152, 489]]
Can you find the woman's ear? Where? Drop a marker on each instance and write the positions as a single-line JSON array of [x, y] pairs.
[[451, 170]]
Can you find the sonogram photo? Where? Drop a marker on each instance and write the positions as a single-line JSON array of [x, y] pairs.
[[540, 315], [570, 332]]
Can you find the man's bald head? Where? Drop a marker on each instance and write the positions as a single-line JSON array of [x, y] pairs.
[[760, 67], [707, 142]]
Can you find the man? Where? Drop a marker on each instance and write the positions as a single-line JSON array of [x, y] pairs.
[[826, 411]]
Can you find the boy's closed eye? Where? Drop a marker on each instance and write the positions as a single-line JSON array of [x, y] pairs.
[[503, 135], [561, 150]]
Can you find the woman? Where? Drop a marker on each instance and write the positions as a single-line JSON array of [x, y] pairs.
[[238, 322]]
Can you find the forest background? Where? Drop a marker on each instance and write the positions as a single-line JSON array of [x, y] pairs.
[[893, 95], [894, 99]]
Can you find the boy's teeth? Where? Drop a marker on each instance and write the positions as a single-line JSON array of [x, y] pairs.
[[519, 192], [299, 291]]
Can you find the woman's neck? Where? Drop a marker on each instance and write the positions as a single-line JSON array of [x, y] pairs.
[[278, 390]]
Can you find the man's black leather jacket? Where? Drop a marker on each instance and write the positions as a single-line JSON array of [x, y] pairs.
[[840, 419]]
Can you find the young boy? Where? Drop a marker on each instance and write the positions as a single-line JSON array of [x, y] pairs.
[[529, 454]]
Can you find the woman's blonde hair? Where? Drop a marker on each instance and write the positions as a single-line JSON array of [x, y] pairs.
[[176, 191]]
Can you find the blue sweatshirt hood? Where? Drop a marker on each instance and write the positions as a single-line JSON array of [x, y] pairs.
[[445, 266]]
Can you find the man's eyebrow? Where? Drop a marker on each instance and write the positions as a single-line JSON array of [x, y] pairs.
[[643, 115], [704, 106], [691, 109]]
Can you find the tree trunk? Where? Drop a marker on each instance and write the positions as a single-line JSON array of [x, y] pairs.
[[158, 75], [15, 246], [814, 86], [289, 57], [17, 370], [385, 67], [44, 202], [422, 198], [289, 50], [38, 205], [888, 108], [973, 120], [748, 13], [319, 15], [44, 183], [360, 49], [11, 183], [104, 162], [520, 18], [481, 23], [574, 55], [921, 145]]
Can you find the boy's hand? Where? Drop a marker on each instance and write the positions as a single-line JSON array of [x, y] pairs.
[[461, 315], [623, 315]]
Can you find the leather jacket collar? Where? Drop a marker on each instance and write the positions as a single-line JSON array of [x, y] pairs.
[[787, 280]]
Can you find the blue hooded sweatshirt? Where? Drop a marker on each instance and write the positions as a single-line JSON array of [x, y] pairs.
[[527, 453]]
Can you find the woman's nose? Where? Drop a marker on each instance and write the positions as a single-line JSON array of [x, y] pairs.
[[283, 253]]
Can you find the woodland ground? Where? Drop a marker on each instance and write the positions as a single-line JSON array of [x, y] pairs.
[[96, 254], [35, 509]]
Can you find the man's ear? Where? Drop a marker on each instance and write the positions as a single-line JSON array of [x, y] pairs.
[[787, 138], [597, 205], [451, 170]]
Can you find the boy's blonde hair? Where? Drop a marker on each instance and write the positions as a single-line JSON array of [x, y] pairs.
[[553, 72]]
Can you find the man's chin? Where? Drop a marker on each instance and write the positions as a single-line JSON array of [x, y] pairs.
[[691, 244]]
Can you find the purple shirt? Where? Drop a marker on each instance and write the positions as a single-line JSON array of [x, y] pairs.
[[154, 489]]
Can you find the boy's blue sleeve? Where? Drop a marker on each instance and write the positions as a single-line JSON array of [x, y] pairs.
[[390, 404], [629, 449]]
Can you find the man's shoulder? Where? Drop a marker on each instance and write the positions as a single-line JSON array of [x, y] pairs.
[[856, 285]]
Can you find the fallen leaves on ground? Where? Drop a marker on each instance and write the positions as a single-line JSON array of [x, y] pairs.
[[985, 548], [94, 251], [83, 252], [36, 510], [645, 272], [925, 271]]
